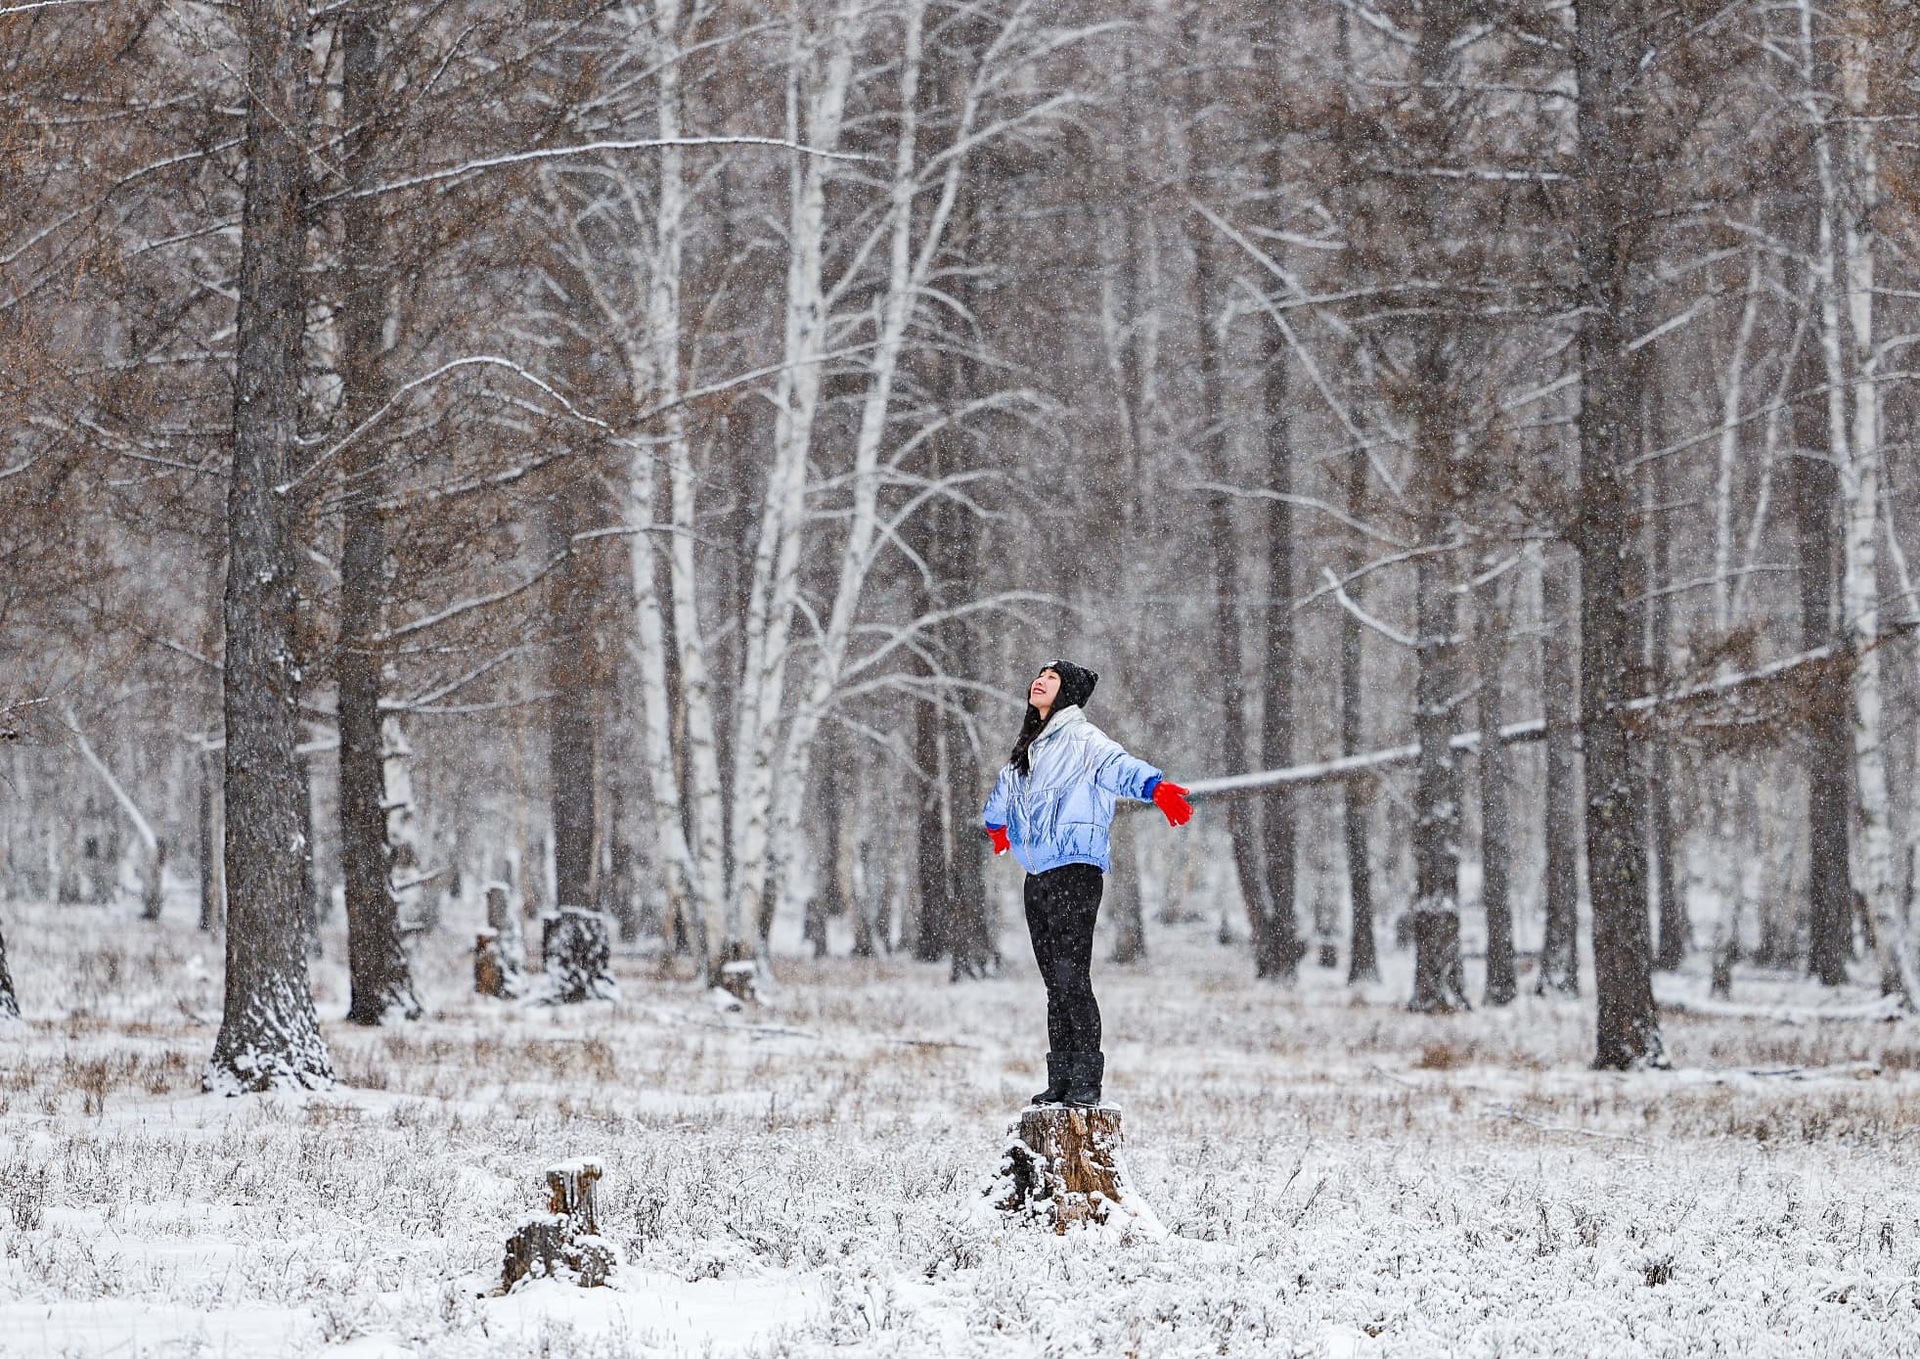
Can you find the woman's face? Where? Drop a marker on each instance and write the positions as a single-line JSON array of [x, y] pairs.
[[1044, 690]]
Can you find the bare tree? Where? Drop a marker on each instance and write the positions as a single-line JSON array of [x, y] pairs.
[[269, 1035]]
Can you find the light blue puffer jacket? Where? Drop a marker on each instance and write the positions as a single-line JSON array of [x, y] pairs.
[[1059, 814]]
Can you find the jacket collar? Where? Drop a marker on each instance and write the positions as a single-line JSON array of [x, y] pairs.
[[1061, 719]]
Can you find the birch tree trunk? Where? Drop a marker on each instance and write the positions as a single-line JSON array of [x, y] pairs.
[[1608, 45], [9, 1002], [379, 974], [822, 81], [1844, 264], [269, 1035]]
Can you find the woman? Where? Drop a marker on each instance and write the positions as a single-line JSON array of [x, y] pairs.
[[1052, 806]]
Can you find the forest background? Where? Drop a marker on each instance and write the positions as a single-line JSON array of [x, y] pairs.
[[640, 453]]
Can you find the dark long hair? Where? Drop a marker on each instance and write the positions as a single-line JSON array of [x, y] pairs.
[[1030, 727]]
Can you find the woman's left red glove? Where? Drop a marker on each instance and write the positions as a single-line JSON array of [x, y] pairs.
[[998, 834], [1171, 799]]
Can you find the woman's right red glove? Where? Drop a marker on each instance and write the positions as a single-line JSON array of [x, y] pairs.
[[1171, 799], [998, 834]]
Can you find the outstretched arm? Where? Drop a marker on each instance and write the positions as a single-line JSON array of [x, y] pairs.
[[995, 817]]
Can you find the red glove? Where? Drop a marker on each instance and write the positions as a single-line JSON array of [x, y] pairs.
[[1171, 799], [998, 834]]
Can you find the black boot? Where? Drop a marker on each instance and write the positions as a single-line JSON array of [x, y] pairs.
[[1084, 1074], [1057, 1077]]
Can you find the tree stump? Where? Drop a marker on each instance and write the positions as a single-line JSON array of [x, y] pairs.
[[499, 950], [577, 952], [1062, 1165], [741, 980], [564, 1242]]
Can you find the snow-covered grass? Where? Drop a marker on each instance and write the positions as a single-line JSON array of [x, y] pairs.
[[1339, 1177]]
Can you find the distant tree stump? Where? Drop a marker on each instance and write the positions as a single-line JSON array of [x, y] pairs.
[[576, 946], [741, 980], [564, 1242], [499, 950], [1062, 1164]]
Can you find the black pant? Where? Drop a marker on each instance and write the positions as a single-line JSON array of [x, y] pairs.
[[1061, 906]]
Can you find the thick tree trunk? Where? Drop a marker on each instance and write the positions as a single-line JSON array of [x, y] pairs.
[[1830, 738], [570, 712], [1438, 983], [379, 973], [269, 1035], [1279, 841], [1560, 682], [1608, 45], [1496, 822]]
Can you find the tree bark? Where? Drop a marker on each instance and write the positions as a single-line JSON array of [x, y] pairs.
[[1496, 851], [379, 973], [1608, 44], [1560, 680], [1438, 983], [1363, 962], [570, 712], [269, 1034], [1829, 734]]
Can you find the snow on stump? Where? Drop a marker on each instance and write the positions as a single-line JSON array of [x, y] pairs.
[[564, 1242], [1062, 1165], [576, 945], [741, 980], [498, 950]]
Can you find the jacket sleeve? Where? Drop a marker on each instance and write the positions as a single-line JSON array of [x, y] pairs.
[[996, 814], [1120, 773]]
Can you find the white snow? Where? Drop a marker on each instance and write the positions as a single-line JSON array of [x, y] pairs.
[[1334, 1176]]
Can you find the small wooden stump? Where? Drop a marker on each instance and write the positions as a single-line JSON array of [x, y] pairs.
[[499, 950], [564, 1242], [576, 946], [1062, 1164]]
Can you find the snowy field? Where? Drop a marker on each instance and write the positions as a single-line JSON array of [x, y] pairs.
[[1338, 1177]]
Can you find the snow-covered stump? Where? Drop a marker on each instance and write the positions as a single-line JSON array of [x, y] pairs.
[[1062, 1166], [576, 947], [564, 1242], [499, 950]]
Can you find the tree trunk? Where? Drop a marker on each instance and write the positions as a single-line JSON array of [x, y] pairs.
[[269, 1035], [1363, 962], [1830, 739], [1243, 828], [379, 974], [1438, 983], [9, 1002], [213, 872], [570, 712], [1560, 681], [1496, 851], [1608, 46], [933, 918], [1279, 841], [1674, 929]]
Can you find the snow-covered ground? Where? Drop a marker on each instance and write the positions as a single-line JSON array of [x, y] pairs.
[[1339, 1177]]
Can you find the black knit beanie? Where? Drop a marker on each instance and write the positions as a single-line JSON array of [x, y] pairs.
[[1076, 684]]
